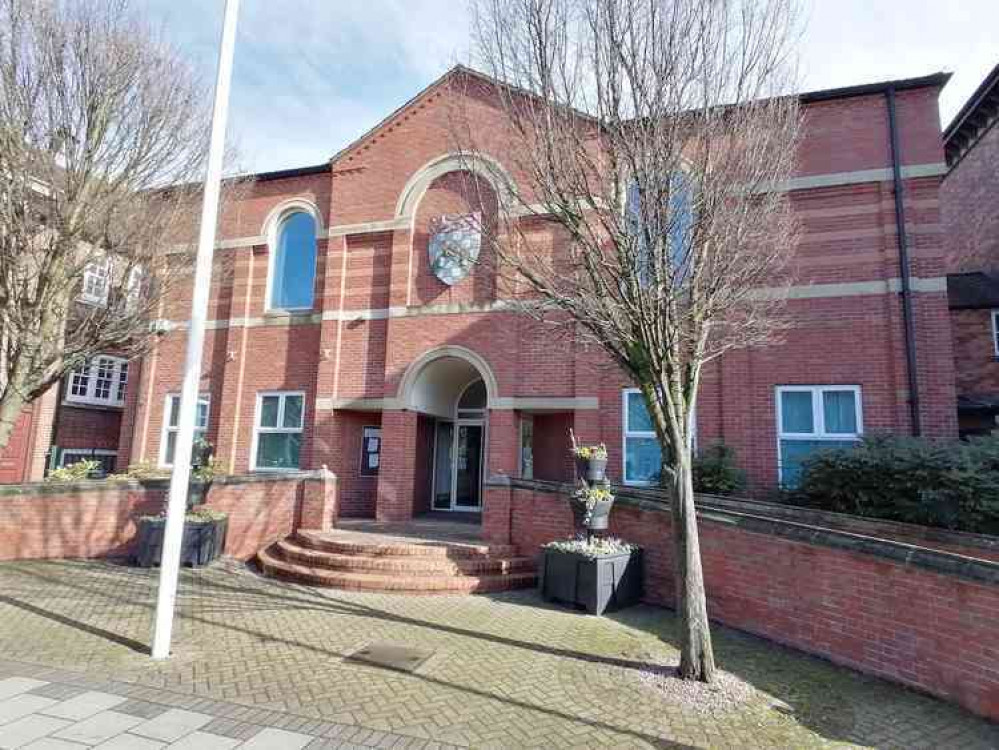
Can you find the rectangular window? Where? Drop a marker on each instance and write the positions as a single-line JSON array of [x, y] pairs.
[[100, 382], [277, 434], [995, 332], [94, 290], [642, 459], [106, 458], [811, 418], [371, 450], [527, 446], [171, 420]]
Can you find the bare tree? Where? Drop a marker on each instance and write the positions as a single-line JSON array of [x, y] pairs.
[[97, 116], [651, 137]]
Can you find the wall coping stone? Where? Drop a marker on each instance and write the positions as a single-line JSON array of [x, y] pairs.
[[131, 485], [904, 553]]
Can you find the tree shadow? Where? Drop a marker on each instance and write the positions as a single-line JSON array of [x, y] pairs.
[[349, 608]]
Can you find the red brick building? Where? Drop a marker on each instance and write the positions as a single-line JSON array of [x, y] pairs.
[[970, 208], [333, 342]]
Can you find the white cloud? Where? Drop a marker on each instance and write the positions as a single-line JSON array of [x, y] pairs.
[[312, 75]]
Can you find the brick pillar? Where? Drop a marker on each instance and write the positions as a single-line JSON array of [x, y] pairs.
[[503, 462], [43, 416], [319, 502], [397, 469]]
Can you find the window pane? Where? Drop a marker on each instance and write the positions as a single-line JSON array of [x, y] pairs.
[[295, 262], [681, 218], [201, 420], [174, 411], [638, 415], [796, 411], [642, 460], [269, 411], [292, 411], [171, 445], [840, 412], [794, 452], [474, 396], [278, 450]]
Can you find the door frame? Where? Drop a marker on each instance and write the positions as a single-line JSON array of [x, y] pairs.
[[453, 489]]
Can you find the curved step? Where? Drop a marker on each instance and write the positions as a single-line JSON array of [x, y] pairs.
[[275, 566], [414, 565], [355, 544]]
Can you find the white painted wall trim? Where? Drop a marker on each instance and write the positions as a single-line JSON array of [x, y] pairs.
[[503, 403], [367, 227]]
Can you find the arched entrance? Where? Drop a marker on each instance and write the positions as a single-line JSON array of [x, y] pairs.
[[459, 453], [451, 388]]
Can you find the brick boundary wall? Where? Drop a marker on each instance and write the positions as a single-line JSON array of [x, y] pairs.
[[922, 617], [98, 519]]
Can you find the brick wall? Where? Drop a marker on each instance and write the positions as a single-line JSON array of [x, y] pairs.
[[97, 519], [922, 618], [975, 364]]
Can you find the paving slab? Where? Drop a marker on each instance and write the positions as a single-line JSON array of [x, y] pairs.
[[98, 728], [204, 741], [84, 706], [130, 742], [12, 686], [277, 739], [172, 725], [27, 729], [14, 708]]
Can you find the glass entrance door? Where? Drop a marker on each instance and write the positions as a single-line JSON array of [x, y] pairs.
[[443, 465], [468, 467], [458, 456]]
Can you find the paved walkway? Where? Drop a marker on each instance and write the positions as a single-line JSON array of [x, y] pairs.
[[505, 670]]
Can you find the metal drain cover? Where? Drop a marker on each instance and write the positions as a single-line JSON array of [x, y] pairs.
[[391, 656]]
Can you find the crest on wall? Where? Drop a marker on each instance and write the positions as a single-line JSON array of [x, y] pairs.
[[454, 246]]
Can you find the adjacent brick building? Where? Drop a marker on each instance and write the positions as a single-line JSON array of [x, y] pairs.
[[970, 209], [333, 342]]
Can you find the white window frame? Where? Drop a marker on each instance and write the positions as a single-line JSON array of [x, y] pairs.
[[818, 416], [166, 429], [257, 429], [101, 268], [90, 398], [626, 433], [995, 332], [277, 218]]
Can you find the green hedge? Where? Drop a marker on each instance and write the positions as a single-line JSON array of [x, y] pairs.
[[951, 484]]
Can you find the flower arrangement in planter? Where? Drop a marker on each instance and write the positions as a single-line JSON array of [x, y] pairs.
[[591, 460], [592, 506], [595, 574], [204, 528]]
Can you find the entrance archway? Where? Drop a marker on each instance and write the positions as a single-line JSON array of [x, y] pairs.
[[452, 387]]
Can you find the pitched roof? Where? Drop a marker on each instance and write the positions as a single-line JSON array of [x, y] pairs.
[[974, 119]]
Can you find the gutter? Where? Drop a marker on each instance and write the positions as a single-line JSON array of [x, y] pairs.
[[904, 267]]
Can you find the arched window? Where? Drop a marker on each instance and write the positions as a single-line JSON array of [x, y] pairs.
[[472, 401], [671, 229], [293, 269]]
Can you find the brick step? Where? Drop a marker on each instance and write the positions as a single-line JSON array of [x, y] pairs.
[[274, 565], [347, 543], [411, 565]]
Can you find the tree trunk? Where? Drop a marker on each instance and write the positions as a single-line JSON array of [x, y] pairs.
[[697, 660], [11, 406]]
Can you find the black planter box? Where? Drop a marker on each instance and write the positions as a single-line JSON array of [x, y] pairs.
[[202, 543], [597, 584]]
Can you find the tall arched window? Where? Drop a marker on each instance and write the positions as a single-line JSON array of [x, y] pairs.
[[293, 271]]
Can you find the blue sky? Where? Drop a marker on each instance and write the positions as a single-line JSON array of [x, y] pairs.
[[312, 75]]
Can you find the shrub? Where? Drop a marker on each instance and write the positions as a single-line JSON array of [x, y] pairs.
[[142, 470], [951, 484], [715, 471], [73, 472]]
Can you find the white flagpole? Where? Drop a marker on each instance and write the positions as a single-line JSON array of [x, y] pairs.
[[177, 501]]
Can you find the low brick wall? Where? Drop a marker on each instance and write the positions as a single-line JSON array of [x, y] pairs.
[[98, 519], [922, 617]]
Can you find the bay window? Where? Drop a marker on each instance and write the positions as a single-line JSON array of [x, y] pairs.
[[100, 381]]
